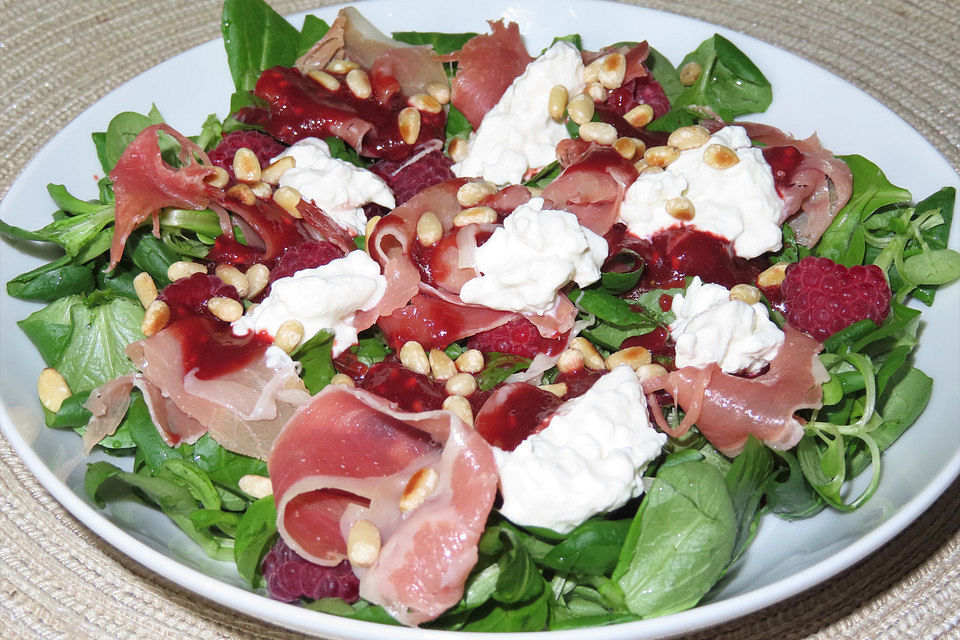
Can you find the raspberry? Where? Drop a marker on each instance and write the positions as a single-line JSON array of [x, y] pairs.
[[822, 297], [288, 577], [410, 390], [433, 168], [188, 296], [261, 144], [306, 255], [518, 337], [638, 91]]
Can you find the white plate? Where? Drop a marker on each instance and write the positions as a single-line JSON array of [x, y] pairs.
[[784, 559]]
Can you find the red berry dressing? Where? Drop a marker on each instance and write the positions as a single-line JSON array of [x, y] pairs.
[[227, 250], [188, 296], [515, 412], [211, 350], [410, 390], [783, 162]]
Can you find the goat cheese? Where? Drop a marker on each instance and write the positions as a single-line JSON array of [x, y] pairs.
[[535, 253], [588, 460], [337, 187], [517, 134], [326, 297], [710, 327], [739, 203]]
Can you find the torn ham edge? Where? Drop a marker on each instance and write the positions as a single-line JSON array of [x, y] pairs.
[[727, 408], [634, 55], [347, 455]]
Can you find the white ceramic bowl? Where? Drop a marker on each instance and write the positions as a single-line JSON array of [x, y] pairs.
[[784, 559]]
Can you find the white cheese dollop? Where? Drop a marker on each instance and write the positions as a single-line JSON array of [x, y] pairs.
[[326, 297], [535, 253], [518, 134], [588, 460], [739, 204], [337, 187], [710, 327]]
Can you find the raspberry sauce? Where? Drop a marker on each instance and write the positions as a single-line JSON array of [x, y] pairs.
[[410, 390], [515, 412], [211, 350]]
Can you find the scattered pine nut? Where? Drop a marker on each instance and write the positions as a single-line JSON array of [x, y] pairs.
[[718, 156], [184, 269], [661, 156], [145, 288], [470, 361], [413, 357], [408, 120], [288, 198], [441, 366], [255, 486], [581, 109], [690, 73], [688, 137], [773, 277], [271, 175], [650, 371], [557, 102], [612, 71], [570, 360], [439, 91], [242, 194], [258, 276], [596, 92], [429, 229], [342, 66], [471, 194], [363, 543], [457, 149], [639, 116], [325, 80], [155, 318], [462, 384], [591, 357], [559, 389], [633, 357], [425, 102], [246, 166], [600, 132], [233, 277], [359, 83], [52, 389], [680, 208], [343, 380], [421, 484], [289, 335], [460, 407], [219, 179], [475, 215], [226, 309], [626, 147]]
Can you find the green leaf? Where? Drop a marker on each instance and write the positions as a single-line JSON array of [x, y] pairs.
[[573, 38], [255, 533], [340, 150], [746, 482], [121, 131], [72, 412], [224, 468], [313, 30], [528, 616], [457, 126], [934, 267], [442, 43], [150, 445], [316, 359], [498, 367], [193, 478], [687, 534], [55, 280], [592, 548], [665, 73], [371, 349], [151, 255], [788, 494], [49, 328], [519, 578], [256, 38]]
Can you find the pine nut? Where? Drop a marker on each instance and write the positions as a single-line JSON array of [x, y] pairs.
[[425, 102], [184, 269], [145, 288], [155, 318], [413, 357], [227, 309], [441, 366], [661, 156], [439, 91], [429, 229], [460, 407], [650, 371], [342, 66], [596, 92], [581, 108], [363, 543], [690, 73], [258, 276], [409, 123], [233, 277], [52, 389], [462, 384], [570, 360], [626, 147], [745, 293], [718, 156], [591, 357], [473, 193], [368, 230], [219, 179], [773, 277], [246, 166], [261, 189], [475, 215], [633, 357], [470, 361], [242, 194], [612, 71], [557, 102], [255, 486], [343, 380], [559, 389], [325, 80], [421, 484], [457, 149], [289, 335], [647, 168], [591, 73], [680, 208], [271, 175], [689, 138], [601, 132], [641, 147], [639, 116], [288, 198], [359, 83]]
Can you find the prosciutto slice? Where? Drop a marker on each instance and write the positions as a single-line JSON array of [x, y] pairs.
[[435, 322], [347, 455], [487, 65], [727, 409]]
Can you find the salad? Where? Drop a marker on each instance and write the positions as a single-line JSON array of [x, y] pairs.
[[433, 329]]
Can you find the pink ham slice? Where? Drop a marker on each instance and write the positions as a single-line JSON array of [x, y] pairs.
[[347, 455], [487, 65], [435, 322], [634, 57], [727, 409]]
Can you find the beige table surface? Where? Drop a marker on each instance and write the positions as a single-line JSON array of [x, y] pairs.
[[59, 580]]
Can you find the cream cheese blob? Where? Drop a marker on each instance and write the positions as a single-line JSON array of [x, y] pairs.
[[326, 297], [710, 327], [337, 187], [588, 460], [535, 253], [517, 134], [739, 203]]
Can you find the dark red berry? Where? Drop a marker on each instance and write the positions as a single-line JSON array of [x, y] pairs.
[[822, 297], [515, 412], [518, 337], [188, 296], [639, 91], [410, 390], [289, 577], [407, 180], [265, 147], [306, 255]]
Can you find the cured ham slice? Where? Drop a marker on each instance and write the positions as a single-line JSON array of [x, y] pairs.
[[435, 322], [143, 183], [487, 65], [727, 409], [347, 455]]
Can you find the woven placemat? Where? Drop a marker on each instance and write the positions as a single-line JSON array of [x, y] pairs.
[[59, 580]]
